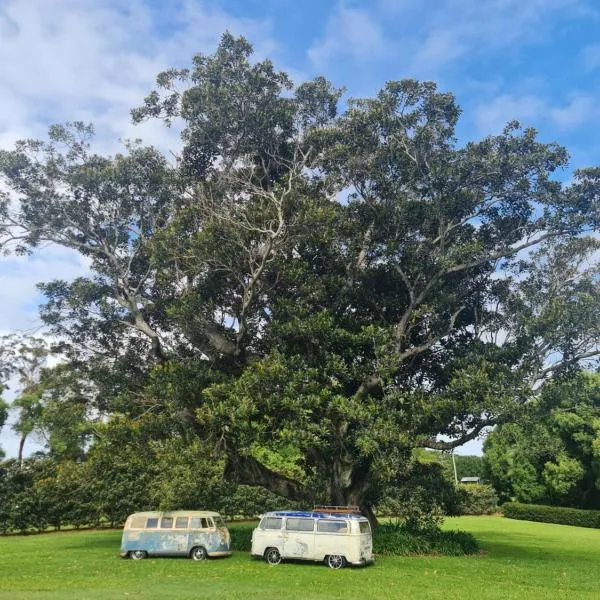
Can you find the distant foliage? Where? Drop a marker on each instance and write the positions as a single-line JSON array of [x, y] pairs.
[[552, 457], [477, 499], [552, 514]]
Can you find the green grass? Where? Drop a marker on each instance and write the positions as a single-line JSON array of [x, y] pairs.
[[521, 560]]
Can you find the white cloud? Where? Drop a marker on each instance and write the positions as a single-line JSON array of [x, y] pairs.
[[582, 108], [463, 28], [491, 116], [591, 57], [350, 32], [74, 59]]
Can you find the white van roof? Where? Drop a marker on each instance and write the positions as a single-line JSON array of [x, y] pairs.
[[316, 515]]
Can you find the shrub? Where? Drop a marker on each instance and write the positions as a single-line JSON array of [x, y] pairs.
[[241, 536], [552, 514], [421, 497], [397, 540], [389, 539], [477, 499]]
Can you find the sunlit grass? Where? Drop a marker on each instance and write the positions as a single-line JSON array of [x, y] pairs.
[[521, 560]]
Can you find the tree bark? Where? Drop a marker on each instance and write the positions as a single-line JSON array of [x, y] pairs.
[[21, 449]]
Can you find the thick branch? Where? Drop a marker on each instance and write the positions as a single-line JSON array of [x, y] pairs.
[[247, 470], [434, 444]]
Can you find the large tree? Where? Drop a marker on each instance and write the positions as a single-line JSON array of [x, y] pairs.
[[336, 288]]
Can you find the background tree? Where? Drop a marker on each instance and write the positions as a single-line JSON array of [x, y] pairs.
[[552, 457]]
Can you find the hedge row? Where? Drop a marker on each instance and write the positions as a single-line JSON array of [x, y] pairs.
[[388, 539], [552, 514]]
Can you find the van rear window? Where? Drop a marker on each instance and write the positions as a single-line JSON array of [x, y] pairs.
[[295, 524], [271, 523], [331, 526]]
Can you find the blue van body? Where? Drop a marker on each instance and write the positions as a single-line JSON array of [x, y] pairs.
[[197, 534]]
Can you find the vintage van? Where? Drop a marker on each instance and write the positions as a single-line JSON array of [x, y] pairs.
[[193, 533], [336, 538]]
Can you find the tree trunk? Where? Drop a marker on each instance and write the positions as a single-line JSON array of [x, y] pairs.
[[21, 448]]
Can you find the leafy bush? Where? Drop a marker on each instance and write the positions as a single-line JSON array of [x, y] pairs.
[[394, 539], [390, 539], [477, 499], [422, 497], [552, 514], [241, 536]]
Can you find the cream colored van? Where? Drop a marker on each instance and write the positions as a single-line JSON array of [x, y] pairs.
[[194, 533], [334, 538]]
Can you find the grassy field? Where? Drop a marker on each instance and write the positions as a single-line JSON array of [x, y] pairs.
[[520, 560]]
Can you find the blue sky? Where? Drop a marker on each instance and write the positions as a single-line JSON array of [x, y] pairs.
[[534, 60]]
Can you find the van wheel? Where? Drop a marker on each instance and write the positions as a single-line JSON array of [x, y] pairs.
[[137, 554], [335, 561], [272, 556], [199, 553]]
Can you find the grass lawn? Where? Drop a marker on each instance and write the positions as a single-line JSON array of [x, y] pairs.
[[521, 560]]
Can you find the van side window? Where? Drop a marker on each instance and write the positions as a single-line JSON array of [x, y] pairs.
[[364, 527], [137, 523], [294, 524], [199, 523], [331, 526], [166, 523], [181, 523], [271, 523], [152, 522]]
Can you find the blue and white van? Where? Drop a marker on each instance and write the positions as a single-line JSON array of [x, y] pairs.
[[338, 539], [193, 533]]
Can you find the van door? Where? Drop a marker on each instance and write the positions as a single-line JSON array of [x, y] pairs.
[[331, 537], [299, 538], [172, 541], [199, 533], [267, 534]]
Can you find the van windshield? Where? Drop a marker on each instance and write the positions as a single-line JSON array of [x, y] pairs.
[[219, 522], [271, 523]]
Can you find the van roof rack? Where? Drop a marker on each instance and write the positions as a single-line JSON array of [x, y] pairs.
[[337, 509]]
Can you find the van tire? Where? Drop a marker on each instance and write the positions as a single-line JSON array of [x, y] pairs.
[[138, 554], [335, 561], [199, 553], [272, 556]]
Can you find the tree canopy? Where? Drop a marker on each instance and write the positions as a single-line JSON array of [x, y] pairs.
[[311, 292]]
